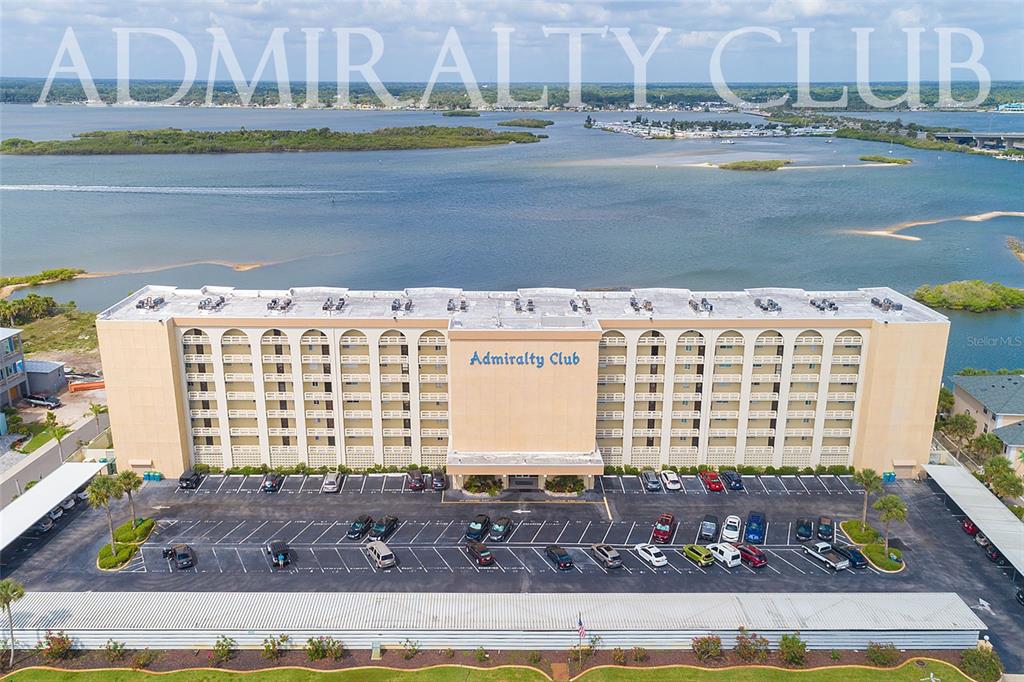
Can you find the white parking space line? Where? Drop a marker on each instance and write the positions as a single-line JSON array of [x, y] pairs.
[[383, 482], [443, 559], [240, 562], [201, 484], [803, 485], [301, 532], [224, 479], [366, 556], [303, 485], [342, 560], [767, 524], [441, 534], [417, 558], [528, 570], [812, 563], [584, 534], [472, 563], [789, 533], [622, 484], [593, 561], [690, 563], [843, 483], [241, 483], [217, 559], [242, 541], [182, 534], [777, 556], [333, 524], [600, 479], [822, 483], [605, 538], [761, 481], [363, 485], [425, 524], [316, 560], [562, 533], [534, 538], [672, 540]]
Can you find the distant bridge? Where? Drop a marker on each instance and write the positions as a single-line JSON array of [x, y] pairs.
[[984, 140]]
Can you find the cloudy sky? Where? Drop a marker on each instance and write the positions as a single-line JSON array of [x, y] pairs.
[[414, 31]]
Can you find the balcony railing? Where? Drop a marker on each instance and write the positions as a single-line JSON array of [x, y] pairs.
[[613, 341], [684, 433], [434, 433], [609, 433], [237, 431], [237, 359], [352, 341]]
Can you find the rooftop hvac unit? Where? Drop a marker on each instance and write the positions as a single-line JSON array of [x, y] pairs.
[[530, 307], [586, 306], [573, 305]]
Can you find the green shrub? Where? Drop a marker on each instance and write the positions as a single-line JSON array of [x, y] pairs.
[[630, 471], [639, 654], [981, 664], [875, 552], [108, 559], [618, 656], [273, 647], [882, 655], [125, 533], [792, 649], [223, 650], [858, 532], [448, 653], [319, 648], [143, 659], [113, 651], [410, 649], [707, 648], [202, 469], [1018, 510], [482, 484], [564, 484], [480, 655], [56, 646], [534, 657], [750, 647], [835, 655]]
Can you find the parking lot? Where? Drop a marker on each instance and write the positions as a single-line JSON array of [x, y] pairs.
[[228, 521]]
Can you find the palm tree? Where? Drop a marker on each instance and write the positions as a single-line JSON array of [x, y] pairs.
[[57, 431], [95, 409], [102, 491], [891, 508], [872, 484], [130, 483], [10, 591]]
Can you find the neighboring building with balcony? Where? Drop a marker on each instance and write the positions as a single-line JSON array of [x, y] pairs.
[[526, 383], [996, 401], [13, 379]]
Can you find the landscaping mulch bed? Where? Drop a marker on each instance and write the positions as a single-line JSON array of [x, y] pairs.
[[394, 658]]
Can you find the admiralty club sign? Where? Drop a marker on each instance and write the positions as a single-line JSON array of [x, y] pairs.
[[524, 359]]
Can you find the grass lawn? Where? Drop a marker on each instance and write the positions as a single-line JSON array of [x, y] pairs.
[[859, 533], [73, 331], [906, 673], [39, 437]]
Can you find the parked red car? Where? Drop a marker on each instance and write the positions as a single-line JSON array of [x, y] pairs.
[[712, 481], [663, 529], [752, 556], [969, 527]]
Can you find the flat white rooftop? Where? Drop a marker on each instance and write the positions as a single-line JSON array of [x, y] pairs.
[[537, 308]]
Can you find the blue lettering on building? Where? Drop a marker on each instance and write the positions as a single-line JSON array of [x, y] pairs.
[[524, 359]]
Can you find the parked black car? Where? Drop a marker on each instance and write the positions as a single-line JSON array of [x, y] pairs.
[[733, 480], [189, 480], [416, 480], [272, 482], [501, 529], [709, 528], [384, 528], [478, 527], [279, 553], [479, 553], [182, 555], [438, 480], [995, 556], [1020, 596], [804, 530], [852, 554], [360, 527], [39, 400], [559, 557], [826, 529]]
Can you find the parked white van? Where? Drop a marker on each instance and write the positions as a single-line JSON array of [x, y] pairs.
[[380, 555], [725, 553]]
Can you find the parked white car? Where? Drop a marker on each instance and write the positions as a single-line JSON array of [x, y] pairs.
[[728, 555], [731, 529], [651, 554], [670, 480]]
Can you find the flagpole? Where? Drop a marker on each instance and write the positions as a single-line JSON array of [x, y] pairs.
[[579, 631]]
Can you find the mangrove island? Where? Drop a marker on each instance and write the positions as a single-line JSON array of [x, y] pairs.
[[878, 158], [763, 165], [972, 294], [527, 123], [176, 141]]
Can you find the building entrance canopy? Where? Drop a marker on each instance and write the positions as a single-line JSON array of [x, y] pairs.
[[525, 463]]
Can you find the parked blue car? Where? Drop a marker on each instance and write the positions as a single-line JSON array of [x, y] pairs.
[[755, 530], [733, 480]]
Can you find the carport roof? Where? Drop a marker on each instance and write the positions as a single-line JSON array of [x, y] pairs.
[[521, 612], [988, 513], [33, 504]]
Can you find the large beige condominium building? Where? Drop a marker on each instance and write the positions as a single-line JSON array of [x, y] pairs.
[[522, 383]]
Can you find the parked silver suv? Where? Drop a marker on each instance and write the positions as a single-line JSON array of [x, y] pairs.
[[332, 483]]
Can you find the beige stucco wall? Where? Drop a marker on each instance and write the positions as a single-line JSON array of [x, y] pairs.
[[145, 402], [523, 408], [901, 389]]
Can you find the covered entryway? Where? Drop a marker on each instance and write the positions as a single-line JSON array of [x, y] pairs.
[[525, 470], [33, 504]]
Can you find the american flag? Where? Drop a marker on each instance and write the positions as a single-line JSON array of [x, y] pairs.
[[582, 630]]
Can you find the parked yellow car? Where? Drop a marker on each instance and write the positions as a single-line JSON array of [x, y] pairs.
[[698, 554]]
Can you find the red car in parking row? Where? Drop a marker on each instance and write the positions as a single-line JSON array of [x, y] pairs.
[[969, 527], [712, 481], [664, 527]]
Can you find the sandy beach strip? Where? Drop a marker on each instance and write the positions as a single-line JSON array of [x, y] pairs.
[[894, 230]]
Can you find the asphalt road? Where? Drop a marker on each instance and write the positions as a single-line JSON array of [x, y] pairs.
[[228, 522]]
